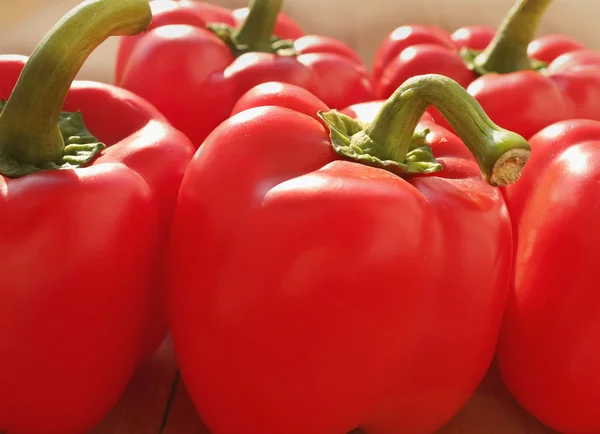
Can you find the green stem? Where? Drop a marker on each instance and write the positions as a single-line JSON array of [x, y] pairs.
[[501, 154], [257, 30], [508, 50], [29, 131]]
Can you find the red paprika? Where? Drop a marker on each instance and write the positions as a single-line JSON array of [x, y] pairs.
[[85, 211], [351, 274], [548, 352], [523, 84], [198, 59]]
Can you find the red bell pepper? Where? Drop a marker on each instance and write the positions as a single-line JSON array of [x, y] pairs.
[[548, 352], [84, 215], [351, 274], [523, 84], [198, 59]]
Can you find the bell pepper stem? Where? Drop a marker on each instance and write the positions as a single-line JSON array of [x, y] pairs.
[[501, 154], [257, 30], [29, 131], [508, 50]]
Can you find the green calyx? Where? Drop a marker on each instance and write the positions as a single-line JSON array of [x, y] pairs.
[[228, 34], [508, 50], [35, 134], [80, 148], [469, 56], [350, 141], [392, 142], [256, 33]]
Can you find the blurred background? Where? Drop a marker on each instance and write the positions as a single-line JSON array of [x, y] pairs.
[[362, 24]]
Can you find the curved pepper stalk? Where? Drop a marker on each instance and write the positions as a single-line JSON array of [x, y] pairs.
[[34, 134], [390, 140], [256, 32], [508, 50]]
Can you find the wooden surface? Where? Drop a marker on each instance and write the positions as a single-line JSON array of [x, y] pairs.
[[156, 402]]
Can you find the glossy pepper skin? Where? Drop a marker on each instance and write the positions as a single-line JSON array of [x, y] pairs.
[[194, 78], [548, 352], [523, 84], [82, 297], [330, 294]]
